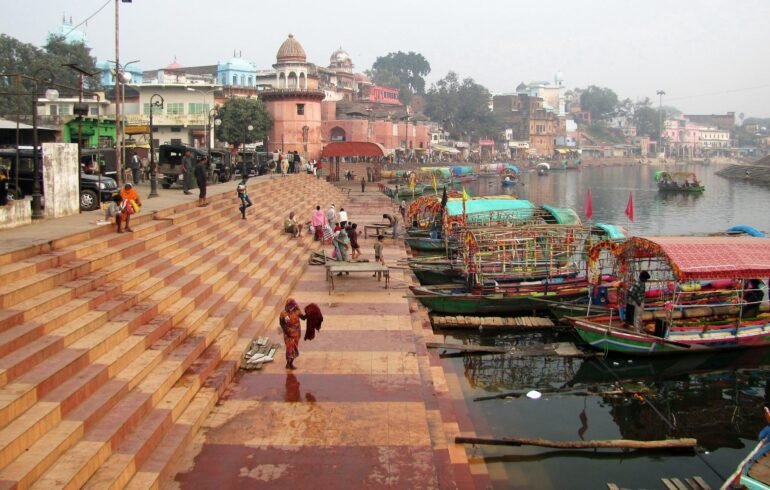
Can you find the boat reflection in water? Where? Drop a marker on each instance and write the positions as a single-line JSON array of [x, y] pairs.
[[715, 398]]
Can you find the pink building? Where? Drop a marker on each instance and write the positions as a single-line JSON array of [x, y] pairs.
[[682, 138]]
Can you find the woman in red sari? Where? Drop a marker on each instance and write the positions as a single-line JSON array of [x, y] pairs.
[[292, 331]]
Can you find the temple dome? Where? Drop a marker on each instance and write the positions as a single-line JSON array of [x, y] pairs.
[[291, 50], [340, 56]]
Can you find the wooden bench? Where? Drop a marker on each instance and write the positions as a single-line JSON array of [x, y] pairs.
[[333, 268], [378, 228]]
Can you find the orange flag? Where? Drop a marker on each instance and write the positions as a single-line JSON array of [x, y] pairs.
[[589, 206], [630, 206]]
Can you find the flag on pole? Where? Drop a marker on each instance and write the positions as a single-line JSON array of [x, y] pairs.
[[630, 206], [435, 185], [465, 195], [589, 206]]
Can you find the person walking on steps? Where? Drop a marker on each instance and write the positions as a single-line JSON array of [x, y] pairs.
[[200, 177], [363, 184], [188, 164], [291, 327], [243, 196]]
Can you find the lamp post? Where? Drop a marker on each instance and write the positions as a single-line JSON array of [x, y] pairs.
[[122, 77], [249, 128], [156, 100], [660, 94], [50, 94]]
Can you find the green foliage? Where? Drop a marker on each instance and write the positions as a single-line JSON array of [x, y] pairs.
[[599, 101], [47, 65], [236, 115], [462, 107], [404, 71], [603, 133]]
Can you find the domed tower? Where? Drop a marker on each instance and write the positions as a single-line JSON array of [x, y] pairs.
[[558, 79], [340, 61], [291, 65], [294, 104], [68, 33], [236, 72]]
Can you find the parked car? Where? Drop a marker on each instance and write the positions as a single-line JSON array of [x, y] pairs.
[[94, 188], [170, 162]]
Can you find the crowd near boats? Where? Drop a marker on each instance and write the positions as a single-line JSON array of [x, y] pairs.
[[621, 295]]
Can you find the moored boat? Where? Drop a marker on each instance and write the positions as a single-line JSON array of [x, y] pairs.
[[709, 297], [426, 243], [510, 299]]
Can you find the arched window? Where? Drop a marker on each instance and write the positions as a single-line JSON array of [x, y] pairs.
[[302, 81], [235, 79], [292, 80], [282, 80], [337, 134]]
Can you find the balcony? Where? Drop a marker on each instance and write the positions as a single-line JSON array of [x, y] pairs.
[[167, 119]]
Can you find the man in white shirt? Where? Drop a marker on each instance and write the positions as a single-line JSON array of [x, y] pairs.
[[343, 217]]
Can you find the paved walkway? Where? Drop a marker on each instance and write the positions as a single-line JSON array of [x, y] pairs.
[[367, 406]]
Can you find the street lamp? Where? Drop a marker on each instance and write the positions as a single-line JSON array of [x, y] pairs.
[[249, 128], [156, 100], [122, 77], [660, 94], [50, 94]]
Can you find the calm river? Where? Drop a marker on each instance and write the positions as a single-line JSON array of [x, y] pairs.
[[716, 399]]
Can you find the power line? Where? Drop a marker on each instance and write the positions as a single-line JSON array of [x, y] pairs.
[[89, 17]]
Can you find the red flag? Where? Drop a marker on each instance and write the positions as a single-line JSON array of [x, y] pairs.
[[630, 206], [589, 206]]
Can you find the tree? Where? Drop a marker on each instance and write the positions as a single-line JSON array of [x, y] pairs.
[[599, 101], [405, 71], [21, 58], [236, 115], [462, 107]]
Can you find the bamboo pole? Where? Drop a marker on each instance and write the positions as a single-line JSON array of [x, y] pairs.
[[684, 443]]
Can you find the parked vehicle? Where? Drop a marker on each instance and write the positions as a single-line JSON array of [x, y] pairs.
[[220, 163], [170, 162], [94, 188]]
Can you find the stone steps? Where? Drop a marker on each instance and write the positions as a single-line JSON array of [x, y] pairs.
[[101, 380]]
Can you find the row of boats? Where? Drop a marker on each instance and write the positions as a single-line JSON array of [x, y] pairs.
[[504, 256]]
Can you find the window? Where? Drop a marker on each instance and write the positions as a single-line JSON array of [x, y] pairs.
[[65, 109], [197, 108], [53, 110], [300, 109], [175, 108], [146, 108], [235, 79], [94, 111], [176, 129]]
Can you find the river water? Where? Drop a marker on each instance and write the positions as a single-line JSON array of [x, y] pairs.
[[716, 399]]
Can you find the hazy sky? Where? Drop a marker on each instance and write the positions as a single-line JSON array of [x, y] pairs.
[[709, 56]]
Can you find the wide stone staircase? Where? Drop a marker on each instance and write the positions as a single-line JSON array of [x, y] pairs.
[[114, 348]]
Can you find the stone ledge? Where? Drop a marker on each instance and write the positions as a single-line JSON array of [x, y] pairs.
[[16, 213]]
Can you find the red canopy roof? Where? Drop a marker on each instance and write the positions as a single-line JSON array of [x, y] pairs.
[[706, 257], [352, 149]]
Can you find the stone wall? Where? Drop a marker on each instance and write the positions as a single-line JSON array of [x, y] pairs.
[[61, 178], [16, 213]]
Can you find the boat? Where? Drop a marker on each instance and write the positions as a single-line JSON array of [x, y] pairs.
[[426, 243], [678, 182], [542, 168], [753, 472], [701, 293], [399, 192], [508, 299], [745, 230], [508, 182]]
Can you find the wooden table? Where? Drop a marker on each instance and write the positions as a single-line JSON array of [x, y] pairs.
[[377, 227], [333, 268]]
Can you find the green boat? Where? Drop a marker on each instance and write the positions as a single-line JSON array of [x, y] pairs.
[[509, 300], [678, 182], [426, 244]]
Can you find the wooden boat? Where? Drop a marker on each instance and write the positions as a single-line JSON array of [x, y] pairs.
[[426, 243], [678, 182], [501, 300], [687, 317], [753, 472], [508, 183]]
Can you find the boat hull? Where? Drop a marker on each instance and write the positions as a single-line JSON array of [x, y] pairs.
[[494, 304], [426, 244], [602, 335]]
